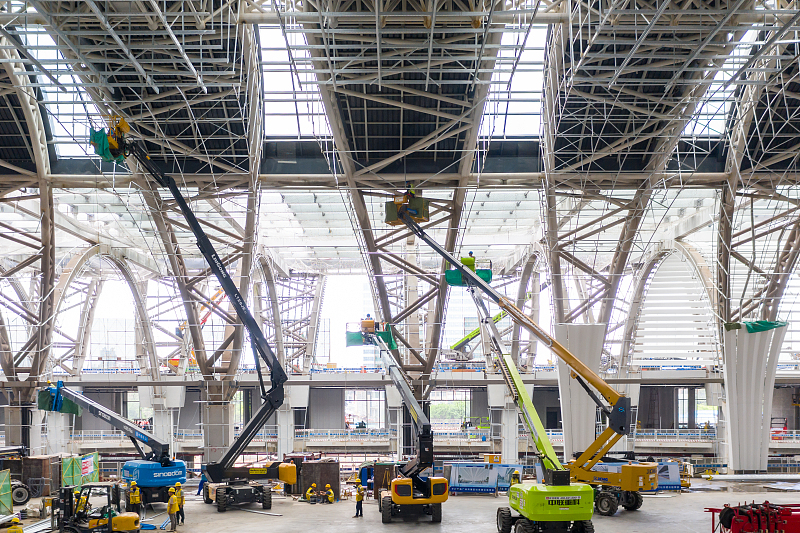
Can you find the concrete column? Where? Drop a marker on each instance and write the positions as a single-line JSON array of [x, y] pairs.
[[57, 433], [217, 419], [751, 360], [578, 411]]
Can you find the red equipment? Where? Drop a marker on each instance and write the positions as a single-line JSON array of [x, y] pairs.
[[756, 517]]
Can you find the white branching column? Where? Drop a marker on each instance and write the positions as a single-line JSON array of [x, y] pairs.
[[584, 341], [751, 360]]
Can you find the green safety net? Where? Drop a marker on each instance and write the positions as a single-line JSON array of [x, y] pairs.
[[354, 338], [755, 327], [6, 502], [99, 141], [387, 337], [44, 400], [454, 279]]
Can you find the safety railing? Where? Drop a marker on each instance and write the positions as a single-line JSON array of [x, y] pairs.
[[785, 436], [367, 434], [662, 435], [482, 435]]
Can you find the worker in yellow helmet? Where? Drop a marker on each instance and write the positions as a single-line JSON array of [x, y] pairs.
[[134, 499], [181, 503], [82, 503], [329, 493], [359, 501], [516, 479], [172, 509], [15, 527], [311, 492]]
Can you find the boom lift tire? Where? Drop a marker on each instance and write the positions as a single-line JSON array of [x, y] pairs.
[[631, 501], [222, 500], [504, 521], [386, 509], [606, 504], [524, 525], [582, 527], [436, 513], [20, 493], [207, 495], [266, 498]]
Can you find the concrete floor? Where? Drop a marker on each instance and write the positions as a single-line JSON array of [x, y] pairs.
[[682, 513]]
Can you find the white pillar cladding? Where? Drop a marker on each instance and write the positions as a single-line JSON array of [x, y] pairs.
[[58, 426], [37, 426], [216, 419], [578, 411], [296, 398], [499, 398], [394, 416], [751, 360]]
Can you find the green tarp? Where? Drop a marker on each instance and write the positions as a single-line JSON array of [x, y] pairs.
[[453, 277], [44, 401], [354, 338], [755, 327], [99, 141], [79, 470], [387, 338], [6, 503]]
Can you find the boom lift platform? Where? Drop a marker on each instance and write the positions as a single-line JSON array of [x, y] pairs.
[[410, 493], [227, 484], [614, 488], [155, 472]]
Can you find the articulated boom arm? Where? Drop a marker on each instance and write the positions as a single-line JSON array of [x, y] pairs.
[[160, 450], [422, 427], [619, 413], [273, 398], [517, 389]]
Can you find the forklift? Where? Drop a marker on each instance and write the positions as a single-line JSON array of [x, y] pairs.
[[94, 509]]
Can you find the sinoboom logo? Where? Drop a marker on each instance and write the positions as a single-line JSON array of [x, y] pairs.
[[168, 474]]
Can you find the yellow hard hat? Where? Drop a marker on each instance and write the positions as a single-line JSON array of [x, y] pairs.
[[15, 520], [328, 486], [76, 491], [313, 484], [133, 483], [172, 489], [177, 483]]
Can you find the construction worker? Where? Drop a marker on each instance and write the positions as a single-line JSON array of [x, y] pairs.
[[202, 482], [81, 503], [311, 492], [135, 499], [172, 510], [329, 494], [359, 501], [516, 479], [15, 527], [469, 261], [181, 502]]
